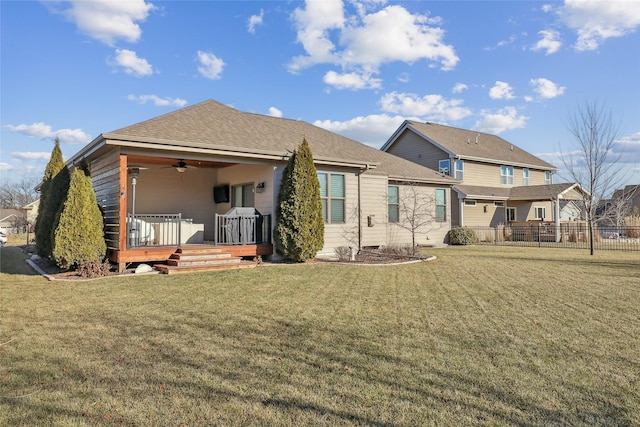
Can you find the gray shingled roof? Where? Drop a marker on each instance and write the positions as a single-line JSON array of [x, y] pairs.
[[212, 125], [491, 148], [529, 192]]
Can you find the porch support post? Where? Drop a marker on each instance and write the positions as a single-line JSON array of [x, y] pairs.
[[122, 229]]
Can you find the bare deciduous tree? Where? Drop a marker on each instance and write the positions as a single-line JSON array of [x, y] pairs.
[[591, 161], [16, 195], [417, 210]]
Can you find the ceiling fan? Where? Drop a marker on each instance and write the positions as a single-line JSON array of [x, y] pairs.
[[182, 166]]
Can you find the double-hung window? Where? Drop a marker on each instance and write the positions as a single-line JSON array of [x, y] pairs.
[[548, 178], [506, 175], [441, 205], [332, 195], [539, 212], [393, 202], [525, 176], [444, 167], [459, 170]]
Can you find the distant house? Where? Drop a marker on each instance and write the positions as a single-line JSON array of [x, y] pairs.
[[623, 203], [10, 220], [570, 210], [496, 182], [31, 211], [216, 172]]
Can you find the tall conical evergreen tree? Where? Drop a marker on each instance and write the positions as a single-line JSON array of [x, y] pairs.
[[79, 236], [299, 230], [53, 191]]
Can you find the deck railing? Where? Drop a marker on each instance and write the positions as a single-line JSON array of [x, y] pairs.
[[242, 229], [153, 230], [567, 235]]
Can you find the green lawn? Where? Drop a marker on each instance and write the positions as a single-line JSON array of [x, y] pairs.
[[480, 336]]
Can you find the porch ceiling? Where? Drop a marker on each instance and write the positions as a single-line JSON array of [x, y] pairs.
[[170, 161]]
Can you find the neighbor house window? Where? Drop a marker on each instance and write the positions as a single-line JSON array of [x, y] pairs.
[[547, 178], [525, 176], [459, 170], [506, 175], [444, 167], [332, 196], [539, 212], [510, 214], [469, 202], [393, 202], [498, 204], [441, 205]]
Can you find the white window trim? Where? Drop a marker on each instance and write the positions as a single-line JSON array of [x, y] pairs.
[[508, 177], [470, 202], [535, 212], [498, 204], [329, 197], [525, 176], [509, 209]]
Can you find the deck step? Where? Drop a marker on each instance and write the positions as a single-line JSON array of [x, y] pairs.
[[169, 269], [215, 262], [191, 250], [201, 258]]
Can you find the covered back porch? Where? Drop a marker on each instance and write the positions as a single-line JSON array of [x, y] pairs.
[[153, 206]]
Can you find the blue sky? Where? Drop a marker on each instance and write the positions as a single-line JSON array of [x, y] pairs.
[[519, 69]]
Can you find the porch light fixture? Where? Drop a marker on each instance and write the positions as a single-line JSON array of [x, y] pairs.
[[181, 169], [134, 172], [260, 187]]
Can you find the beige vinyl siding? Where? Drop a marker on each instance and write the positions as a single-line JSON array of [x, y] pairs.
[[343, 234], [525, 210], [434, 232], [483, 174], [166, 191], [536, 177], [475, 216], [412, 147], [373, 195], [251, 174], [105, 176]]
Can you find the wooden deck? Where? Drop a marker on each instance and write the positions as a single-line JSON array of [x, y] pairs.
[[160, 254], [194, 258]]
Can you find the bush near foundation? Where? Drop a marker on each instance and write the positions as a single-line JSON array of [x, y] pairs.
[[462, 236]]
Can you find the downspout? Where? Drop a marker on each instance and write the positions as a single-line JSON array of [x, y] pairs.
[[461, 209]]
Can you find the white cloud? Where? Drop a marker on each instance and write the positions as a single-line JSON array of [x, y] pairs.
[[353, 81], [254, 21], [596, 21], [501, 90], [31, 155], [44, 131], [108, 20], [500, 121], [430, 107], [159, 102], [274, 112], [210, 65], [545, 88], [131, 63], [372, 130], [6, 166], [628, 149], [361, 43], [549, 42], [459, 87]]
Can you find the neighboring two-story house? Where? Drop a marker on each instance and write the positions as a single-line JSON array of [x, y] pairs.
[[498, 182]]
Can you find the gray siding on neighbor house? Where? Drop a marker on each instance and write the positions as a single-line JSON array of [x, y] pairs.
[[413, 147]]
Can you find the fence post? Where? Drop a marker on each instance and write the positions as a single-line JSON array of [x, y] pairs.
[[539, 237]]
